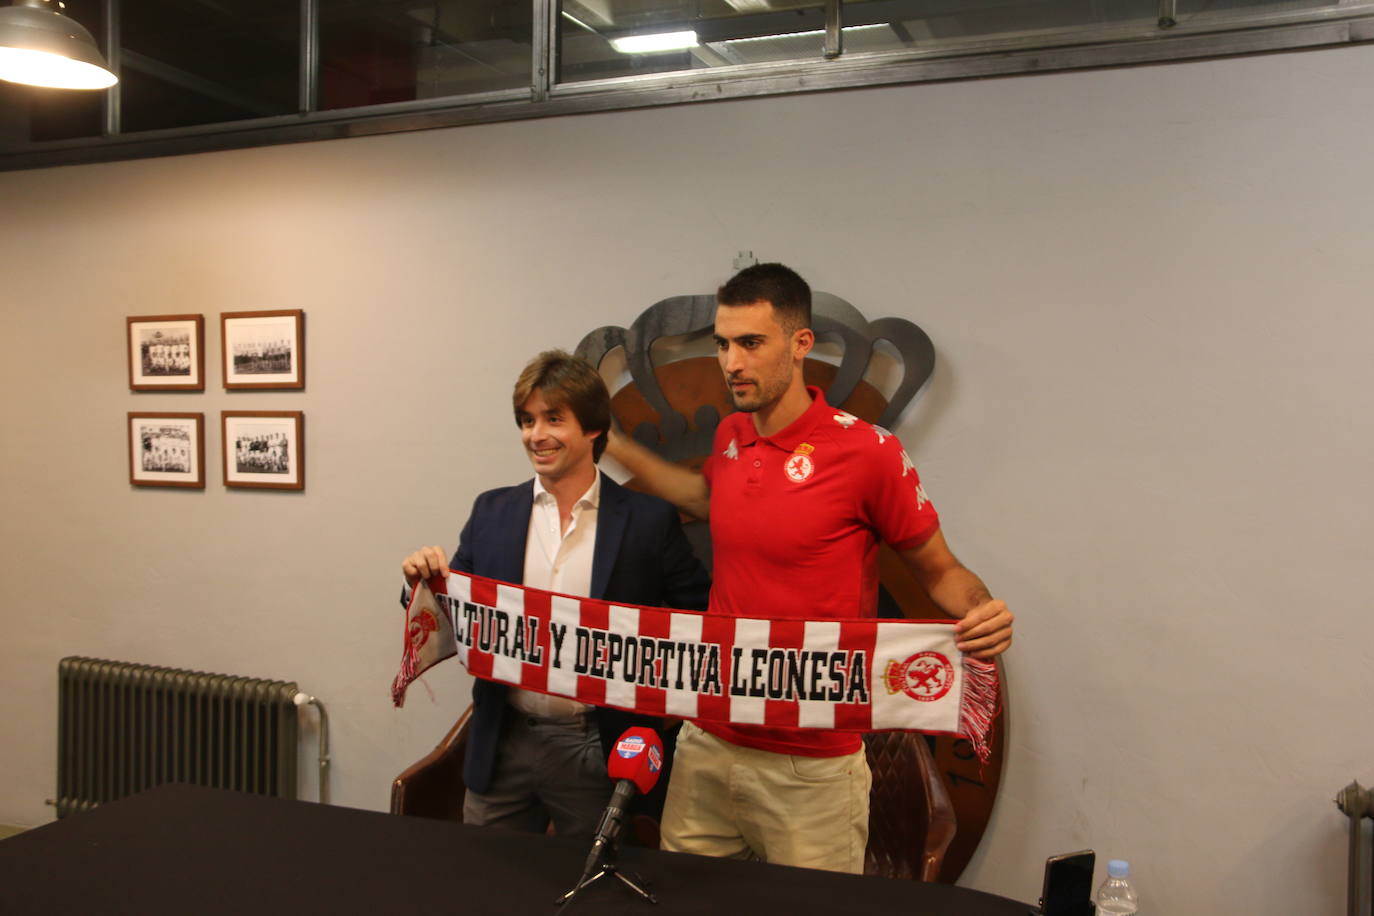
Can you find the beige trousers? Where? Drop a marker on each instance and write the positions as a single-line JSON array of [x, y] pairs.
[[730, 801]]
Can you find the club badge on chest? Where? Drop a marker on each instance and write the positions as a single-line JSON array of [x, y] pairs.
[[799, 467]]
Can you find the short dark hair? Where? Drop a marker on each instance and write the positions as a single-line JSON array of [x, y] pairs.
[[782, 286], [567, 381]]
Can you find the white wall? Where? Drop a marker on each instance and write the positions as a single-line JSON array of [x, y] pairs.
[[1149, 429]]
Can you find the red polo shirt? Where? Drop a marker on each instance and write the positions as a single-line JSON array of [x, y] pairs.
[[796, 519]]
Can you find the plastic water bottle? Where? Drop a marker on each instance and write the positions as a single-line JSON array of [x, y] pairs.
[[1116, 896]]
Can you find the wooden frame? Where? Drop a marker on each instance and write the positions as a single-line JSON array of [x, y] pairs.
[[263, 449], [262, 349], [166, 352], [166, 449]]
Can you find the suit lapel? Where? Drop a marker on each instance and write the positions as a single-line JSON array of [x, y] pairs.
[[509, 555], [611, 517]]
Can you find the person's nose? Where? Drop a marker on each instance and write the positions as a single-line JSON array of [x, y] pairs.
[[730, 359]]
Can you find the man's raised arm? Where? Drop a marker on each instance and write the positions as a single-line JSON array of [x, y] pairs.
[[985, 623], [684, 488]]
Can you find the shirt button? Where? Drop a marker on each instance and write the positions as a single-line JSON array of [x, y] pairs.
[[758, 464]]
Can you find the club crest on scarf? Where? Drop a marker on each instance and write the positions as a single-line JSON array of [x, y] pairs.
[[925, 676], [420, 626]]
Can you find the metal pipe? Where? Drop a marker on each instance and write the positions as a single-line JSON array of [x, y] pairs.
[[1357, 803], [309, 80], [302, 699], [834, 29], [1168, 14], [114, 96], [545, 44]]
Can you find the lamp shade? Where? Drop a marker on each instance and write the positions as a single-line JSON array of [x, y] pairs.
[[41, 47]]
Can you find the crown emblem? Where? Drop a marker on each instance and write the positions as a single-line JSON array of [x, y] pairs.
[[692, 318]]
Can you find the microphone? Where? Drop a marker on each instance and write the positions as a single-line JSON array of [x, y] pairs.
[[635, 763]]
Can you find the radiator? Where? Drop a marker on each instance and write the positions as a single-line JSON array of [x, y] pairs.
[[124, 727]]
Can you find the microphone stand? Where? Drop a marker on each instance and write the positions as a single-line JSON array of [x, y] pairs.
[[601, 861]]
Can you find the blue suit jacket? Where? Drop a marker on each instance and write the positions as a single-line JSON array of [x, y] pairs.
[[640, 557]]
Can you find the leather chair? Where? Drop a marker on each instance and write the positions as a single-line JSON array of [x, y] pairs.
[[910, 824], [910, 816], [433, 785]]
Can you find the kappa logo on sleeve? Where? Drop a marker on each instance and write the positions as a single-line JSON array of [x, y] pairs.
[[921, 497], [908, 466], [925, 676]]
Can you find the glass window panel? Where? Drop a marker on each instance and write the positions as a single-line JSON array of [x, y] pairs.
[[29, 114], [187, 62], [377, 51], [599, 39], [1189, 8], [200, 62], [885, 25]]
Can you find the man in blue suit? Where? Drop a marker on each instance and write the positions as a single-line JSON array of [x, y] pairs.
[[533, 759]]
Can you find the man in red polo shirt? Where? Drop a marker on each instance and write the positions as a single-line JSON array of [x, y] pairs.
[[799, 494]]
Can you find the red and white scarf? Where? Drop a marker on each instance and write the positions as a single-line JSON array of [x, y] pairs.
[[854, 675]]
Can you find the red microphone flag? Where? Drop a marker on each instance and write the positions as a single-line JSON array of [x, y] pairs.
[[637, 756]]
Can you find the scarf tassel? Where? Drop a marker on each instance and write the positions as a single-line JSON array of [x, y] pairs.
[[981, 704], [410, 670]]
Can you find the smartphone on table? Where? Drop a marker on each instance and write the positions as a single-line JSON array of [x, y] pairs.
[[1068, 886]]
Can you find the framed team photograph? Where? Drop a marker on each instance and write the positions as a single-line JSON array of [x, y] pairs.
[[264, 449], [263, 349], [166, 352], [167, 450]]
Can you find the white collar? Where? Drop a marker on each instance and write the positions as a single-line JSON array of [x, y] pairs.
[[591, 498]]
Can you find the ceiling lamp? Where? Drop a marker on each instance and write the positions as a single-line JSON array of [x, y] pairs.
[[655, 42], [41, 47]]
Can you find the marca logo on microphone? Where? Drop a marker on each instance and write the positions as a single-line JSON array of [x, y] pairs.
[[632, 746]]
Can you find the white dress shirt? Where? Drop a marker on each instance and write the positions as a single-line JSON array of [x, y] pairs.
[[558, 561]]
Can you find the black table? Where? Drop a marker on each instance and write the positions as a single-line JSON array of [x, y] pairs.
[[188, 850]]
